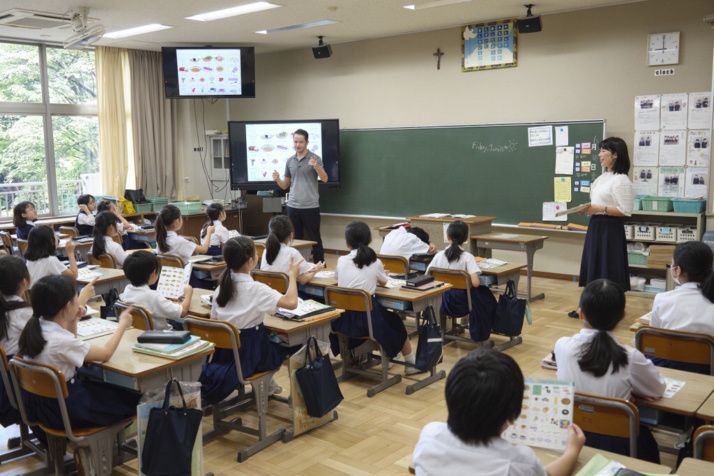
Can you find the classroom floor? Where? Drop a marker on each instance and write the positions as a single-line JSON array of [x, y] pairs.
[[377, 435]]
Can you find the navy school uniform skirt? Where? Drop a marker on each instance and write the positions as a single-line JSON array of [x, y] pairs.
[[646, 444], [387, 327], [483, 309], [687, 367], [9, 415], [605, 252], [214, 250], [257, 354]]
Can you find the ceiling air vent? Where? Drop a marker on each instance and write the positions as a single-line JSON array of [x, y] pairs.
[[34, 20]]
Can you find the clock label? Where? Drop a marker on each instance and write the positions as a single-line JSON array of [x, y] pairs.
[[664, 72]]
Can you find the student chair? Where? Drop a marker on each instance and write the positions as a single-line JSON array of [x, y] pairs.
[[678, 346], [260, 249], [704, 443], [93, 447], [117, 239], [351, 299], [22, 246], [69, 230], [608, 416], [171, 261], [395, 264], [226, 336], [276, 280], [6, 242], [26, 296], [105, 260], [140, 316], [3, 252]]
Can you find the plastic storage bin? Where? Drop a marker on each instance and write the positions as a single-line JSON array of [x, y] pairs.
[[666, 234], [158, 202], [657, 204], [637, 283], [645, 232], [683, 205], [629, 231], [637, 258], [686, 234], [142, 207], [188, 208], [638, 202]]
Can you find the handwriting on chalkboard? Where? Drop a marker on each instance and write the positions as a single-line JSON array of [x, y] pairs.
[[511, 146]]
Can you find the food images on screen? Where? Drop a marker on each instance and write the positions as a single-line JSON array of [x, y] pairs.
[[209, 73]]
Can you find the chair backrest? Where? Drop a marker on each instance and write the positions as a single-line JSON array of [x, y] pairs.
[[351, 299], [608, 416], [260, 249], [5, 375], [274, 279], [69, 230], [6, 241], [117, 239], [679, 346], [192, 239], [22, 245], [458, 278], [105, 260], [223, 334], [171, 260], [704, 443], [395, 264], [140, 316]]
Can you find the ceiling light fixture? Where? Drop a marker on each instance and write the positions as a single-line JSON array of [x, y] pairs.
[[234, 11], [296, 27], [139, 30], [436, 3]]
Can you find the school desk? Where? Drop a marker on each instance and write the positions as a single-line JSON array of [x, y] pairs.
[[706, 411], [547, 456], [111, 278], [209, 269], [436, 228], [512, 242], [695, 467], [303, 246], [146, 236]]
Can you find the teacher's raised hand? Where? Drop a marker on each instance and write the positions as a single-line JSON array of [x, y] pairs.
[[276, 175], [313, 162]]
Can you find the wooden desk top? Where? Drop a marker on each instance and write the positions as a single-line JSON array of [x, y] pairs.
[[294, 244], [706, 411], [63, 244], [389, 293], [197, 308], [586, 454], [134, 364], [509, 238], [108, 274], [209, 265], [695, 467], [469, 221], [507, 268]]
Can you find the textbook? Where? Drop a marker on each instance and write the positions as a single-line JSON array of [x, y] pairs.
[[426, 286], [95, 327], [435, 215], [195, 348], [167, 348], [572, 210], [491, 263], [199, 258], [173, 280], [549, 362], [306, 308], [86, 274]]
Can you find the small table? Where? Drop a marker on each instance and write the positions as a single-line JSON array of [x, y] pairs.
[[689, 398], [695, 467], [209, 269], [706, 411], [547, 456], [512, 242], [303, 246]]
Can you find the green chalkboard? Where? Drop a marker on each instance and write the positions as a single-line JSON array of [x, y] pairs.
[[476, 170]]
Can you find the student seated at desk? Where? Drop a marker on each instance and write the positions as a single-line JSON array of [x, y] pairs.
[[599, 365], [278, 253], [50, 337], [169, 243], [142, 270], [407, 242], [41, 254], [244, 302], [690, 307], [484, 395], [123, 226], [24, 215], [85, 218], [361, 269], [455, 301], [216, 216], [14, 314], [105, 228]]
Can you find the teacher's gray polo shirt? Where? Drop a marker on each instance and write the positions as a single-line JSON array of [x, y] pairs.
[[303, 181]]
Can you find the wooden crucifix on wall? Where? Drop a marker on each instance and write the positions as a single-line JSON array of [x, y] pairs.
[[438, 55]]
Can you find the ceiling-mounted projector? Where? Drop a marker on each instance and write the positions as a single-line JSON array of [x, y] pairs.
[[83, 35]]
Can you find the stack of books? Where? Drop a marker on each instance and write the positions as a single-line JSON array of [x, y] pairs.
[[174, 351]]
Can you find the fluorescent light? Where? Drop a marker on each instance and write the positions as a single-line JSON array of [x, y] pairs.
[[436, 3], [139, 30], [233, 11], [296, 27]]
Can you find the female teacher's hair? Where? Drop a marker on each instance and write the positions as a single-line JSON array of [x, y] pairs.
[[615, 145]]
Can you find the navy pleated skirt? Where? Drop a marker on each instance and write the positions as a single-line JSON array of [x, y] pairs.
[[214, 251], [257, 354], [89, 404], [646, 444], [387, 327], [687, 367], [605, 252], [483, 309]]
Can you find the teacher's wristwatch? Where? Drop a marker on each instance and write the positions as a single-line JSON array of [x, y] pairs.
[[605, 209]]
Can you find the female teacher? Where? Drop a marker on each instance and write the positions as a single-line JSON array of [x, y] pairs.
[[612, 197]]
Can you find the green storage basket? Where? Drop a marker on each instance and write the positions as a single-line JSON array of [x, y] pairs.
[[99, 198], [142, 207], [636, 258], [161, 201], [657, 204], [682, 205], [638, 202], [188, 208]]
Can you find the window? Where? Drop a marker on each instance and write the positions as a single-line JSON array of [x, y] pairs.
[[49, 133]]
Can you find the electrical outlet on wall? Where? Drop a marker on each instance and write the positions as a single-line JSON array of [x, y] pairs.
[[186, 179]]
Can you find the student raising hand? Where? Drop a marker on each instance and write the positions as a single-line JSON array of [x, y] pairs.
[[87, 292], [294, 268]]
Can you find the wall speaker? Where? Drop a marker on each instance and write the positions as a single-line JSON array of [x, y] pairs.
[[320, 52], [529, 25]]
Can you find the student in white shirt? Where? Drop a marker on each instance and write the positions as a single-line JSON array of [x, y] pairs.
[[690, 307], [599, 365], [24, 216], [142, 270], [216, 216], [123, 225], [278, 253], [361, 269], [455, 301], [50, 337], [484, 396], [41, 254], [406, 242], [85, 218], [169, 243], [105, 229], [242, 301]]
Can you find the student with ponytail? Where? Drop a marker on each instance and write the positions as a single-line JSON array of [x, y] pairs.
[[123, 226], [599, 365], [278, 253], [216, 216], [244, 302], [41, 254], [361, 269], [50, 337], [169, 243], [455, 301], [105, 228]]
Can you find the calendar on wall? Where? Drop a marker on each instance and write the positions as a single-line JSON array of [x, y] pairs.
[[489, 45]]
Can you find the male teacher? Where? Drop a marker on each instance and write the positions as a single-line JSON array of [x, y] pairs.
[[301, 173]]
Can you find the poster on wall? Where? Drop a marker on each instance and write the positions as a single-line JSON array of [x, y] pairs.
[[700, 110], [647, 148], [697, 182], [672, 147], [671, 182], [489, 45], [645, 180], [647, 112], [674, 111], [699, 148]]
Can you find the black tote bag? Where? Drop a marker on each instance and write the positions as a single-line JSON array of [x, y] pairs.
[[318, 383], [170, 437], [429, 347], [108, 309], [510, 312]]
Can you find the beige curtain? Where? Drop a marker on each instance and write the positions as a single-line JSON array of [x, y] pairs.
[[111, 64], [154, 122]]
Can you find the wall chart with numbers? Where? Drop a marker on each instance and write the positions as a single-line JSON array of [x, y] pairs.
[[489, 45]]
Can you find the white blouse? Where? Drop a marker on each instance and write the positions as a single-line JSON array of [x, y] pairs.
[[45, 267], [281, 263], [400, 242], [220, 234], [348, 275], [466, 262], [16, 323], [683, 309], [251, 300], [62, 349], [614, 190], [114, 249], [179, 246]]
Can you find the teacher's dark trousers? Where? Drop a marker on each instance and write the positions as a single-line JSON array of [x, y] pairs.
[[309, 219]]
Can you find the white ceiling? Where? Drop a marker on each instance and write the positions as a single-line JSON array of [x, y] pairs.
[[358, 20]]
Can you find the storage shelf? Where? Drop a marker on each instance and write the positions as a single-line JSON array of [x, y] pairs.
[[644, 266], [654, 242], [667, 214]]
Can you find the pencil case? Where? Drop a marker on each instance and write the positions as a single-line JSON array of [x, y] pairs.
[[164, 337]]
